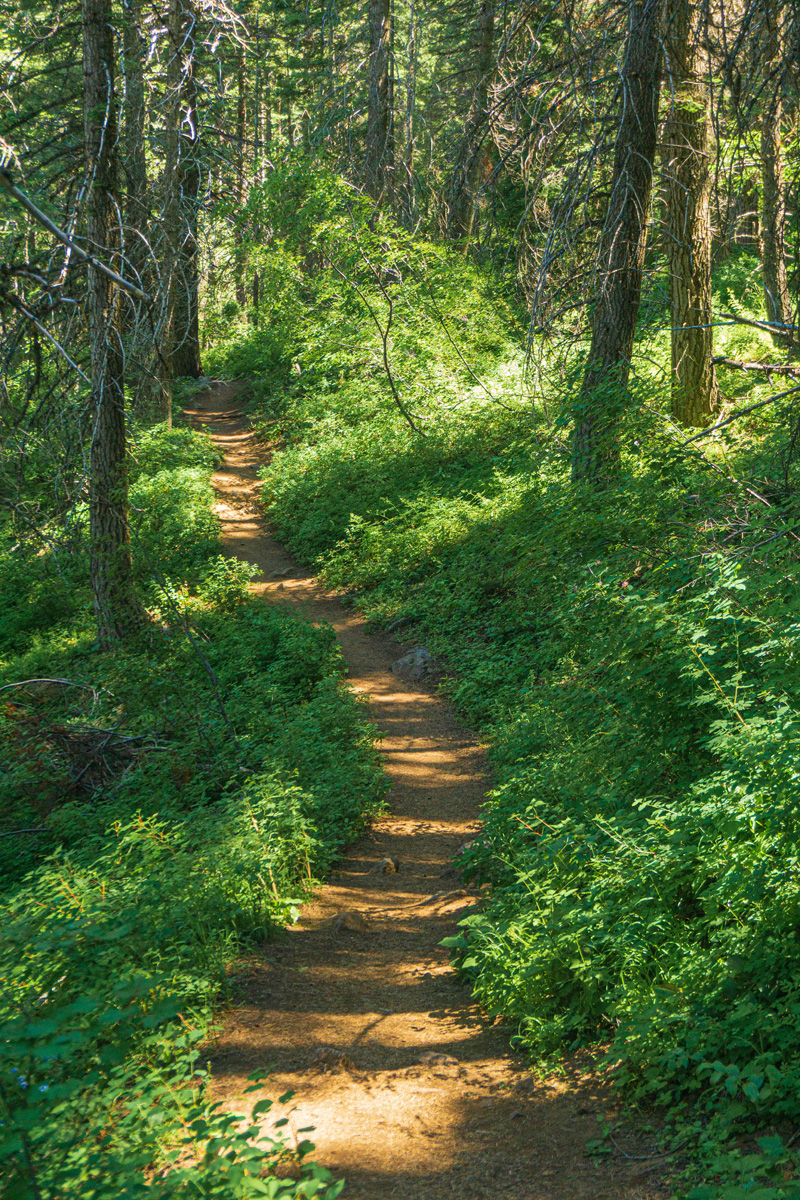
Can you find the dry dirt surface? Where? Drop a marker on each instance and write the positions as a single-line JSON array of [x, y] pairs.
[[412, 1091]]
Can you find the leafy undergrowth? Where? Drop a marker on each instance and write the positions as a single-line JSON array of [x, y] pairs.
[[633, 654], [161, 805]]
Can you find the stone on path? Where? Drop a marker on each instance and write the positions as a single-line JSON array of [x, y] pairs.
[[415, 665]]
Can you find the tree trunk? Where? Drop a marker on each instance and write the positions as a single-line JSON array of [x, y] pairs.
[[154, 395], [409, 202], [595, 450], [688, 218], [267, 118], [241, 114], [378, 166], [773, 190], [137, 210], [262, 122], [147, 400], [185, 347], [116, 606], [466, 173]]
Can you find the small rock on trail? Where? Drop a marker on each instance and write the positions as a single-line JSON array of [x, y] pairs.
[[414, 666], [352, 921], [387, 866]]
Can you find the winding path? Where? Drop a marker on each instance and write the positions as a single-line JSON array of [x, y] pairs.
[[412, 1091]]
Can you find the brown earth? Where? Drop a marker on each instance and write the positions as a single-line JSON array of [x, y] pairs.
[[411, 1089]]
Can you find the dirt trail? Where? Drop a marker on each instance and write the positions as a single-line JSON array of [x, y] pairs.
[[411, 1089]]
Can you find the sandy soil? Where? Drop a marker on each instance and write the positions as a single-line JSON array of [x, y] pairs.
[[411, 1089]]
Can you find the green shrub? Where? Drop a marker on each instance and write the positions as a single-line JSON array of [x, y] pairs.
[[164, 803], [631, 655]]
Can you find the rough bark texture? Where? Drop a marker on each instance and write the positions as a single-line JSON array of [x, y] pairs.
[[378, 166], [149, 398], [134, 165], [115, 603], [621, 259], [466, 173], [241, 116], [267, 120], [185, 348], [773, 190], [262, 131], [687, 175], [409, 200]]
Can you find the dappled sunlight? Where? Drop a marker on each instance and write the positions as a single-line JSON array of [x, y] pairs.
[[410, 1086]]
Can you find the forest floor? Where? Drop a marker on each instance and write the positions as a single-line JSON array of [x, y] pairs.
[[411, 1089]]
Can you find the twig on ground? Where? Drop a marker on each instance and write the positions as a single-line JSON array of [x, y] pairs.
[[64, 682], [647, 1157]]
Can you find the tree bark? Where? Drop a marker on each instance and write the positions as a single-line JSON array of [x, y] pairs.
[[409, 201], [378, 167], [773, 189], [466, 173], [116, 605], [241, 115], [137, 208], [262, 120], [687, 171], [595, 451], [185, 343], [148, 399]]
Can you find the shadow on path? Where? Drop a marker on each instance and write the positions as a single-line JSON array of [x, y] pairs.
[[412, 1090]]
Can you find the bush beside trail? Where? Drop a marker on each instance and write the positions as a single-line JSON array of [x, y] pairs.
[[632, 654], [162, 806]]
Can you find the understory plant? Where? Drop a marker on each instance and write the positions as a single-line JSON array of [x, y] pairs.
[[162, 806], [630, 653]]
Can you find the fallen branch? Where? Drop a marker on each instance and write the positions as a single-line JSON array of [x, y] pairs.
[[64, 683], [647, 1157]]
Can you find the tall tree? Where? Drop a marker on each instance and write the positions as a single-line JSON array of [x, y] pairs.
[[379, 150], [239, 185], [622, 248], [773, 188], [409, 188], [116, 605], [687, 176], [466, 172], [186, 180], [134, 159], [149, 398]]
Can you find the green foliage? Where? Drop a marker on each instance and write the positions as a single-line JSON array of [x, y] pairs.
[[168, 448], [164, 804], [226, 583], [339, 279], [631, 654], [111, 969], [172, 524]]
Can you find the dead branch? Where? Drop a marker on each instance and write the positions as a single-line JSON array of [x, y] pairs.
[[7, 183], [783, 331], [768, 368], [742, 412]]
